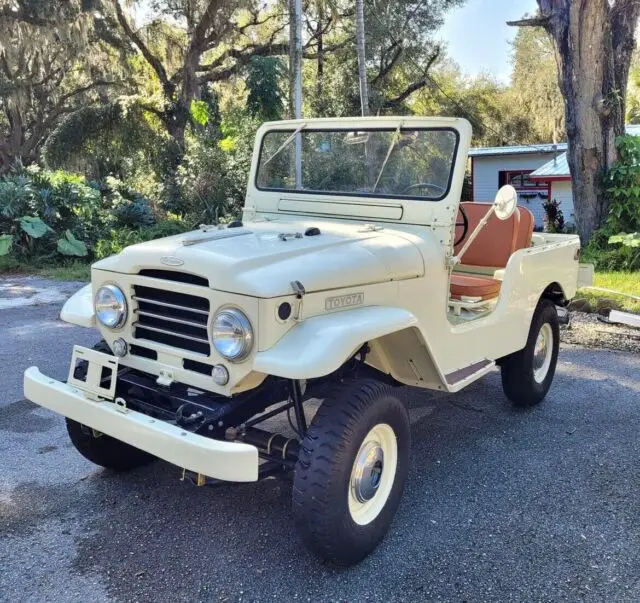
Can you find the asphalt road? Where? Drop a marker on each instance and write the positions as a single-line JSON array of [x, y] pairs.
[[501, 505]]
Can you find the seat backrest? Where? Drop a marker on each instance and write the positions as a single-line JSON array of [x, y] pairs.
[[498, 239], [525, 232]]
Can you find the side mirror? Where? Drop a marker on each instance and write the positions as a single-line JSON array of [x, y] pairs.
[[505, 202]]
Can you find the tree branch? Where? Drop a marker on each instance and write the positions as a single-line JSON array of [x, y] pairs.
[[409, 90], [540, 21], [243, 56], [199, 35], [153, 61], [96, 84], [388, 65]]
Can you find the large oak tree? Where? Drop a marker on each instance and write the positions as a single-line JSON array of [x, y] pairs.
[[52, 61], [594, 42]]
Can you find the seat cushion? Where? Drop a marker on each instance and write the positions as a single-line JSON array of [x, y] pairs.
[[464, 285]]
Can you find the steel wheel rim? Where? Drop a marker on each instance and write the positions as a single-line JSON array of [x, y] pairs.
[[373, 474], [542, 353]]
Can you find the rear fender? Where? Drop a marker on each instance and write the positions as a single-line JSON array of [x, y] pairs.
[[78, 309]]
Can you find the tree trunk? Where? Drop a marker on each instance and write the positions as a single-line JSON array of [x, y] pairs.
[[362, 67], [594, 41], [594, 114]]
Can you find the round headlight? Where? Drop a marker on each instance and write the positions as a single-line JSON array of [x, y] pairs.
[[111, 306], [232, 334]]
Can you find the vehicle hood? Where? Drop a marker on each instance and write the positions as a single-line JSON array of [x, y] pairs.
[[255, 260]]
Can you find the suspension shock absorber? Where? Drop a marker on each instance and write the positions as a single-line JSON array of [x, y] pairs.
[[275, 444]]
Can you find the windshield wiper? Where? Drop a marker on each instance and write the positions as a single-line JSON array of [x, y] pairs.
[[394, 142], [285, 144]]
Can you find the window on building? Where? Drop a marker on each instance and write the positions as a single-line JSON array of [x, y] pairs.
[[520, 180]]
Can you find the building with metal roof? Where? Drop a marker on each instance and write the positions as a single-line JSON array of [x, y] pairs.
[[518, 149], [538, 172], [556, 169]]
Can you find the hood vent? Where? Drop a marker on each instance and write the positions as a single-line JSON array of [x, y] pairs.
[[215, 235]]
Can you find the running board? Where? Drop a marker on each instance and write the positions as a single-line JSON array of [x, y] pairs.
[[459, 379]]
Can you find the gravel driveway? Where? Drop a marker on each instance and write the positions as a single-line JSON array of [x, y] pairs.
[[501, 505]]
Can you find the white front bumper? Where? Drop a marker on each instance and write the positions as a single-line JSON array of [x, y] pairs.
[[229, 461]]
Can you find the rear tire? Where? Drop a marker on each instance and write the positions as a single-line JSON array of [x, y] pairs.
[[102, 449], [527, 375], [351, 471]]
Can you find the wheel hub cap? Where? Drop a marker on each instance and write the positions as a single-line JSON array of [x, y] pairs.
[[367, 472], [542, 353], [373, 474]]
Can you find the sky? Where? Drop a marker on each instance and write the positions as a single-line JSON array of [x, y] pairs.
[[478, 38]]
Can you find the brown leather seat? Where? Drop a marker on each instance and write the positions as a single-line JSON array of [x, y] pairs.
[[525, 231], [474, 286], [492, 248]]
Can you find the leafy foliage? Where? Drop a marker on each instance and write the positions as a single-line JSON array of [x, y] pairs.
[[53, 61], [623, 185], [535, 88], [6, 242], [113, 139], [34, 227], [265, 100], [630, 249], [69, 245], [200, 112], [117, 239], [628, 240], [35, 205], [554, 218]]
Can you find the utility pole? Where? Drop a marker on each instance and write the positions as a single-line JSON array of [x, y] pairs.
[[295, 78], [360, 50]]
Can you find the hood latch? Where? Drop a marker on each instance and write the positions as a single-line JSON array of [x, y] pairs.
[[299, 290]]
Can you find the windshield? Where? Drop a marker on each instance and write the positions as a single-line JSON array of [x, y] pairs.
[[405, 163]]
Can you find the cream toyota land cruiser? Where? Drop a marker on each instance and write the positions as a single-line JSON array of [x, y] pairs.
[[355, 269]]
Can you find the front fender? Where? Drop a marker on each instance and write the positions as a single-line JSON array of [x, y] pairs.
[[322, 344], [78, 309]]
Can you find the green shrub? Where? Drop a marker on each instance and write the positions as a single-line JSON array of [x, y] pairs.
[[118, 239], [128, 208], [45, 215], [212, 178], [554, 218], [630, 249], [610, 258], [34, 206], [623, 184]]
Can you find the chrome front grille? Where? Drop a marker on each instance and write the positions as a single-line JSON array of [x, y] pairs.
[[175, 319]]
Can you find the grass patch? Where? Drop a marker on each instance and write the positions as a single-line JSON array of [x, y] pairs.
[[75, 270], [624, 282]]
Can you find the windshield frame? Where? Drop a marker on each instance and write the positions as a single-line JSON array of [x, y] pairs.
[[404, 127]]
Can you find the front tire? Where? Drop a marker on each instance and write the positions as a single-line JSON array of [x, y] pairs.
[[527, 375], [104, 450], [351, 471]]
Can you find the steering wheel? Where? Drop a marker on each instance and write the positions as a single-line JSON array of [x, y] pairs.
[[464, 224], [421, 185]]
